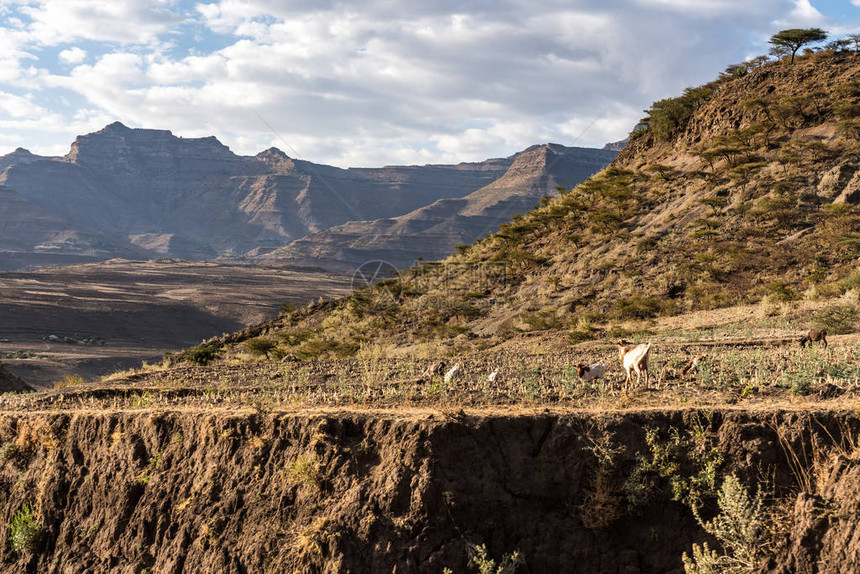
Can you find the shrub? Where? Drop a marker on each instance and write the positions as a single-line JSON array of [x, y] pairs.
[[260, 346], [581, 335], [781, 291], [666, 116], [739, 527], [288, 308], [850, 282], [303, 470], [201, 354], [317, 347], [24, 530], [638, 307], [487, 565], [69, 381], [837, 319], [541, 320]]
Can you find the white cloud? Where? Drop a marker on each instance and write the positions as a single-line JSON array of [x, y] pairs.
[[73, 55], [382, 81], [124, 21], [18, 107]]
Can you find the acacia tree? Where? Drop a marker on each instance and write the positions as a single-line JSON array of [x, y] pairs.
[[795, 38]]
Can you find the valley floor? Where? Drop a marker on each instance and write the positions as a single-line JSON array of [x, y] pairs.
[[91, 320]]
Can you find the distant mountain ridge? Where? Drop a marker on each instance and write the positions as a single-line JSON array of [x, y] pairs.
[[142, 193], [435, 230]]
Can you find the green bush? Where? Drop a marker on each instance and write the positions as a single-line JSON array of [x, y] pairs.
[[739, 527], [201, 354], [781, 291], [487, 565], [260, 346], [638, 307], [667, 116], [581, 335], [837, 319], [25, 529], [850, 282]]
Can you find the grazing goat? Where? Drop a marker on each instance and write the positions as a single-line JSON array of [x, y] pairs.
[[492, 376], [452, 373], [590, 372], [433, 369], [634, 358], [692, 366], [816, 335]]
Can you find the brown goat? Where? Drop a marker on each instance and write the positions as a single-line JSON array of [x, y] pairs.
[[691, 368], [816, 335], [436, 368]]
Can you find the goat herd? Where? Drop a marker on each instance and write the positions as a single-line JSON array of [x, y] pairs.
[[634, 358]]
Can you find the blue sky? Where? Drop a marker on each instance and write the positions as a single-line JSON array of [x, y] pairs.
[[385, 82]]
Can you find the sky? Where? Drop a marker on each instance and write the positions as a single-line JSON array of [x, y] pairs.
[[376, 82]]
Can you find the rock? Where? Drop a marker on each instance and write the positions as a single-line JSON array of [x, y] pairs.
[[851, 192], [834, 180], [434, 231]]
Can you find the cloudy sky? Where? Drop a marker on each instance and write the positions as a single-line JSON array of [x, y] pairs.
[[376, 82]]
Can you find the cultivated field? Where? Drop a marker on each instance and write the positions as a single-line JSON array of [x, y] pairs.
[[749, 356]]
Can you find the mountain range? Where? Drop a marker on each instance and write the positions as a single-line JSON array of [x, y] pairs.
[[144, 194]]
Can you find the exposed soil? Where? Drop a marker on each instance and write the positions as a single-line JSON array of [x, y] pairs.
[[407, 491]]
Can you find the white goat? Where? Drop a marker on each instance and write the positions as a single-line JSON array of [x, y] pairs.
[[492, 376], [452, 373], [590, 372], [634, 358]]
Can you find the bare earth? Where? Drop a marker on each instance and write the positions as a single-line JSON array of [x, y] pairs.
[[93, 319]]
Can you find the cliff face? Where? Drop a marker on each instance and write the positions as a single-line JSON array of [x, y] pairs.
[[147, 193], [356, 492]]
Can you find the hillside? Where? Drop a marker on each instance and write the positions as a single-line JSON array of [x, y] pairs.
[[138, 193], [742, 190]]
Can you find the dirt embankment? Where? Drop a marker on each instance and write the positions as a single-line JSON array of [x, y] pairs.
[[354, 491]]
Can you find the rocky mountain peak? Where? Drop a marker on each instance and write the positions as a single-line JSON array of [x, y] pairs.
[[115, 127], [19, 156], [277, 160], [119, 149]]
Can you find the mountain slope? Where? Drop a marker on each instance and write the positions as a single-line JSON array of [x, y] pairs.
[[433, 231], [740, 190]]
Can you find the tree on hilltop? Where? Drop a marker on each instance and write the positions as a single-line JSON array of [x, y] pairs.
[[795, 38]]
